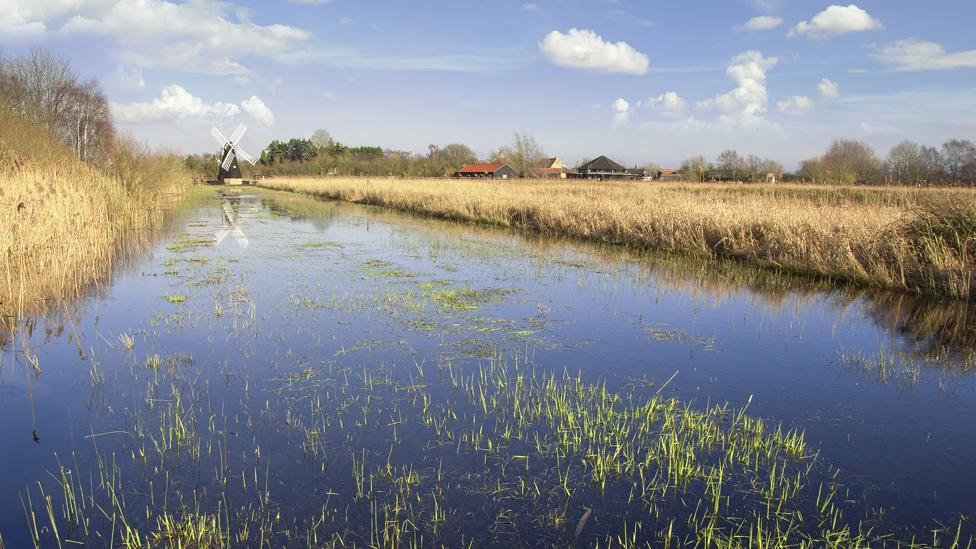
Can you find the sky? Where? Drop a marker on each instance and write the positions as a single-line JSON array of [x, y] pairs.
[[638, 80]]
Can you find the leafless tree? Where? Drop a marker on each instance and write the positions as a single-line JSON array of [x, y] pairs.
[[41, 87]]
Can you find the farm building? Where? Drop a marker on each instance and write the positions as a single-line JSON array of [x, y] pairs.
[[491, 171], [667, 175], [604, 168], [550, 168]]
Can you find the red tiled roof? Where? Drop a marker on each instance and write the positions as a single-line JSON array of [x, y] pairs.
[[667, 172], [480, 168]]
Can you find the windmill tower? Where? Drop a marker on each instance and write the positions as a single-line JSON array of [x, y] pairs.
[[230, 170]]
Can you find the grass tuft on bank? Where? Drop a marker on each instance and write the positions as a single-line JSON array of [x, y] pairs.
[[66, 223]]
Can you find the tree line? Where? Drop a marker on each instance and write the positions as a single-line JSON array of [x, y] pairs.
[[850, 162], [846, 161], [41, 88], [854, 162]]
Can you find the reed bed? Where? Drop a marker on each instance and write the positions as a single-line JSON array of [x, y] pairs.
[[65, 223], [911, 239]]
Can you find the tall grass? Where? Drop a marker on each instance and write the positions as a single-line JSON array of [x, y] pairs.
[[917, 240], [63, 223]]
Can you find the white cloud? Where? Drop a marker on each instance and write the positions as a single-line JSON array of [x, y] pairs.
[[836, 20], [18, 23], [828, 88], [585, 49], [256, 108], [173, 103], [130, 79], [796, 105], [198, 36], [746, 104], [918, 55], [761, 23], [530, 7], [621, 111], [669, 103]]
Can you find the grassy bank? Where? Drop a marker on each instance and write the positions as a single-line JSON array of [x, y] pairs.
[[65, 223], [918, 240]]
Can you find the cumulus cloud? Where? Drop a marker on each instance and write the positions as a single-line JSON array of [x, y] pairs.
[[835, 21], [198, 36], [828, 88], [668, 103], [918, 55], [795, 105], [530, 7], [621, 111], [173, 103], [585, 49], [761, 23], [256, 108], [746, 104]]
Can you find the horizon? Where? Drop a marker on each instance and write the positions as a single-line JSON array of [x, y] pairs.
[[637, 83]]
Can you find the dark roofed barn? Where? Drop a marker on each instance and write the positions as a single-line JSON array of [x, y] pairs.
[[491, 171], [604, 168]]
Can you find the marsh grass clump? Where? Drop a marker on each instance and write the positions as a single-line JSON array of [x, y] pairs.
[[464, 299], [67, 223], [935, 246], [494, 452], [190, 531], [894, 238]]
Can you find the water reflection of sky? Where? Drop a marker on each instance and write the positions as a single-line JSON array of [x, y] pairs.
[[288, 279]]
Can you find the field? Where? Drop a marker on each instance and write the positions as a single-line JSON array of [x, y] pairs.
[[911, 239]]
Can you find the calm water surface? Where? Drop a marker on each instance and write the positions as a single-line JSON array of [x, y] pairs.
[[259, 303]]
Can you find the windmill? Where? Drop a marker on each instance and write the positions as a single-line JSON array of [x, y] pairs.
[[230, 152]]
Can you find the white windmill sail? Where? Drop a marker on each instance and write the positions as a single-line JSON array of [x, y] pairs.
[[234, 149]]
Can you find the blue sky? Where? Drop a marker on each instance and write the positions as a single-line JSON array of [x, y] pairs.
[[639, 80]]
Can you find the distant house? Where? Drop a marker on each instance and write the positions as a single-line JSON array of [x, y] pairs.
[[550, 168], [604, 168], [667, 175], [496, 170], [554, 163]]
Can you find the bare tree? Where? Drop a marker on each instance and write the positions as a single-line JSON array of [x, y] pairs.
[[959, 161], [730, 164], [851, 162], [42, 88], [695, 168], [528, 154], [321, 138], [904, 163]]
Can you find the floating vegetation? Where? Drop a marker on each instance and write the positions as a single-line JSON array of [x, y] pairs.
[[320, 245], [460, 299], [188, 260], [664, 334], [175, 298]]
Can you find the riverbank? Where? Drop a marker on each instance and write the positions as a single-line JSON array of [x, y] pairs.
[[916, 240], [66, 222]]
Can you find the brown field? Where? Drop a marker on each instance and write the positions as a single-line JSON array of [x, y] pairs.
[[912, 239], [63, 224]]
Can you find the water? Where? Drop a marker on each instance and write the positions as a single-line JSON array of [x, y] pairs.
[[272, 315]]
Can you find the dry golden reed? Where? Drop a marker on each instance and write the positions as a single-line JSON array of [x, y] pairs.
[[913, 239], [63, 223]]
